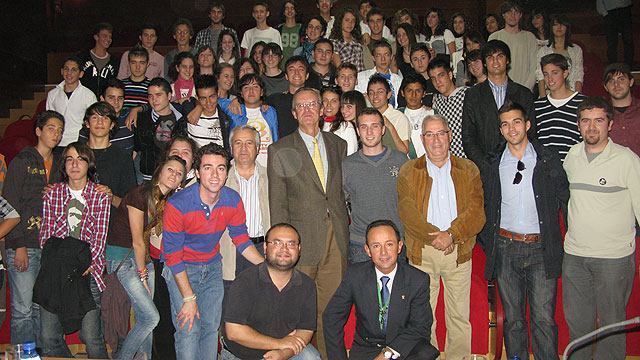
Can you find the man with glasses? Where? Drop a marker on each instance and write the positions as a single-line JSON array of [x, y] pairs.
[[305, 190], [440, 204], [270, 310], [522, 239]]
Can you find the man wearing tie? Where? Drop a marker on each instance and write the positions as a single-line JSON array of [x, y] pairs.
[[305, 190], [393, 315]]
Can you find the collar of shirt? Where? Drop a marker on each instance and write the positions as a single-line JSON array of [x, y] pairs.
[[155, 116], [241, 178], [391, 276], [433, 169], [494, 85], [529, 155], [442, 208], [308, 141]]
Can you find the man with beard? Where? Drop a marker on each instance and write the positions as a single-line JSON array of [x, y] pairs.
[[626, 108], [270, 310], [599, 261]]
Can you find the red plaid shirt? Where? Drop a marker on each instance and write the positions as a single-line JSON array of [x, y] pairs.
[[94, 225]]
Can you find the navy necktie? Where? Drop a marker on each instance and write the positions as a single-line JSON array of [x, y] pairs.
[[384, 295]]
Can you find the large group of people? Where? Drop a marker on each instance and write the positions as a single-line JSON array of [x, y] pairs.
[[250, 193]]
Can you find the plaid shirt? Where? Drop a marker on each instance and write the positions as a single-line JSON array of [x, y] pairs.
[[94, 226], [204, 37], [349, 51], [6, 210], [451, 108]]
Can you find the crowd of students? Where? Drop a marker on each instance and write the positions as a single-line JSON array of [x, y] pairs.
[[133, 155]]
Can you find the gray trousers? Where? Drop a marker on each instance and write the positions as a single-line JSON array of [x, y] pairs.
[[602, 287]]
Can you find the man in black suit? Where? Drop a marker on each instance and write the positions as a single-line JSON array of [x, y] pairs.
[[480, 125], [393, 315]]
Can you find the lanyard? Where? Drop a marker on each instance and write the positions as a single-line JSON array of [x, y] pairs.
[[383, 309]]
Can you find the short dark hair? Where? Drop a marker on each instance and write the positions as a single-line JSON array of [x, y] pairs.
[[248, 79], [161, 83], [555, 59], [219, 5], [297, 58], [41, 119], [617, 68], [272, 48], [206, 82], [296, 8], [596, 102], [112, 83], [510, 105], [85, 152], [182, 21], [494, 47], [420, 47], [138, 51], [347, 65], [381, 43], [413, 78], [102, 26], [148, 26], [378, 79], [102, 108], [211, 149], [507, 5], [75, 59], [260, 3], [379, 223], [370, 111], [438, 62], [370, 2], [282, 225], [375, 11], [323, 41], [321, 20]]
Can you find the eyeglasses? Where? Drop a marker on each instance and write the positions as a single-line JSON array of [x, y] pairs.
[[279, 243], [308, 105], [518, 177], [440, 134]]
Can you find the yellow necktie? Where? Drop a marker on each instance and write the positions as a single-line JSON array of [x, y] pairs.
[[317, 162]]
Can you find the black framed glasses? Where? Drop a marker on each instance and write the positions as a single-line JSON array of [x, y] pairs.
[[518, 178]]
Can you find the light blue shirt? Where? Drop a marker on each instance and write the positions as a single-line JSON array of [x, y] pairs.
[[308, 141], [499, 92], [518, 212], [443, 208]]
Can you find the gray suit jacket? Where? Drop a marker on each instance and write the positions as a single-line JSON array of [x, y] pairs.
[[296, 195], [227, 249]]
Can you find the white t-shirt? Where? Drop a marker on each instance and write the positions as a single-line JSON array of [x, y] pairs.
[[206, 131], [439, 42], [255, 119], [386, 32], [415, 121], [254, 35]]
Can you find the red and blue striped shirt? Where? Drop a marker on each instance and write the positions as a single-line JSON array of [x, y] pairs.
[[191, 231]]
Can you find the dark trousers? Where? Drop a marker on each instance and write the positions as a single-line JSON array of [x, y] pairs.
[[163, 345], [619, 21]]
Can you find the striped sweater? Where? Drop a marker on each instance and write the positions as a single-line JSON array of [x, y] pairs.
[[191, 230], [557, 127], [135, 92]]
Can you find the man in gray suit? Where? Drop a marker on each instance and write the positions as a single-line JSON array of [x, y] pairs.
[[305, 190], [249, 179]]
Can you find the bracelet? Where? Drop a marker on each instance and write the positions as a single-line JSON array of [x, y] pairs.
[[449, 232], [189, 298], [143, 274]]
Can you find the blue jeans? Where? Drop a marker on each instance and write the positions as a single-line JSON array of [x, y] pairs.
[[206, 281], [25, 314], [53, 344], [308, 353], [593, 286], [146, 315], [520, 274]]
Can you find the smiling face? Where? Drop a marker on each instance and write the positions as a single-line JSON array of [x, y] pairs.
[[227, 43], [244, 147], [514, 127], [208, 98], [184, 151], [103, 39], [378, 96], [186, 69], [171, 176], [289, 11], [370, 130], [383, 247], [402, 37], [314, 30], [554, 77], [619, 86], [324, 6], [271, 60], [476, 68], [226, 79], [496, 64], [115, 98], [459, 25], [296, 74], [257, 54], [594, 126], [71, 73], [436, 140], [331, 103], [364, 9], [99, 125], [212, 174], [282, 248], [376, 24], [182, 35], [216, 15], [346, 79]]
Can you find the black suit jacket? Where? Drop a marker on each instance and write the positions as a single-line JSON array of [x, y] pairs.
[[481, 122], [408, 323]]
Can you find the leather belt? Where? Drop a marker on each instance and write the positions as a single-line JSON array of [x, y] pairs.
[[527, 238], [257, 240]]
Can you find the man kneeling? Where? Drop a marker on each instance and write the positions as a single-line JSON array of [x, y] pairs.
[[270, 310], [393, 314]]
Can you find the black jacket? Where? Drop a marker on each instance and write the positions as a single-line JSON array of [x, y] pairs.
[[60, 287], [551, 189], [480, 120], [26, 178], [94, 79], [409, 320]]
